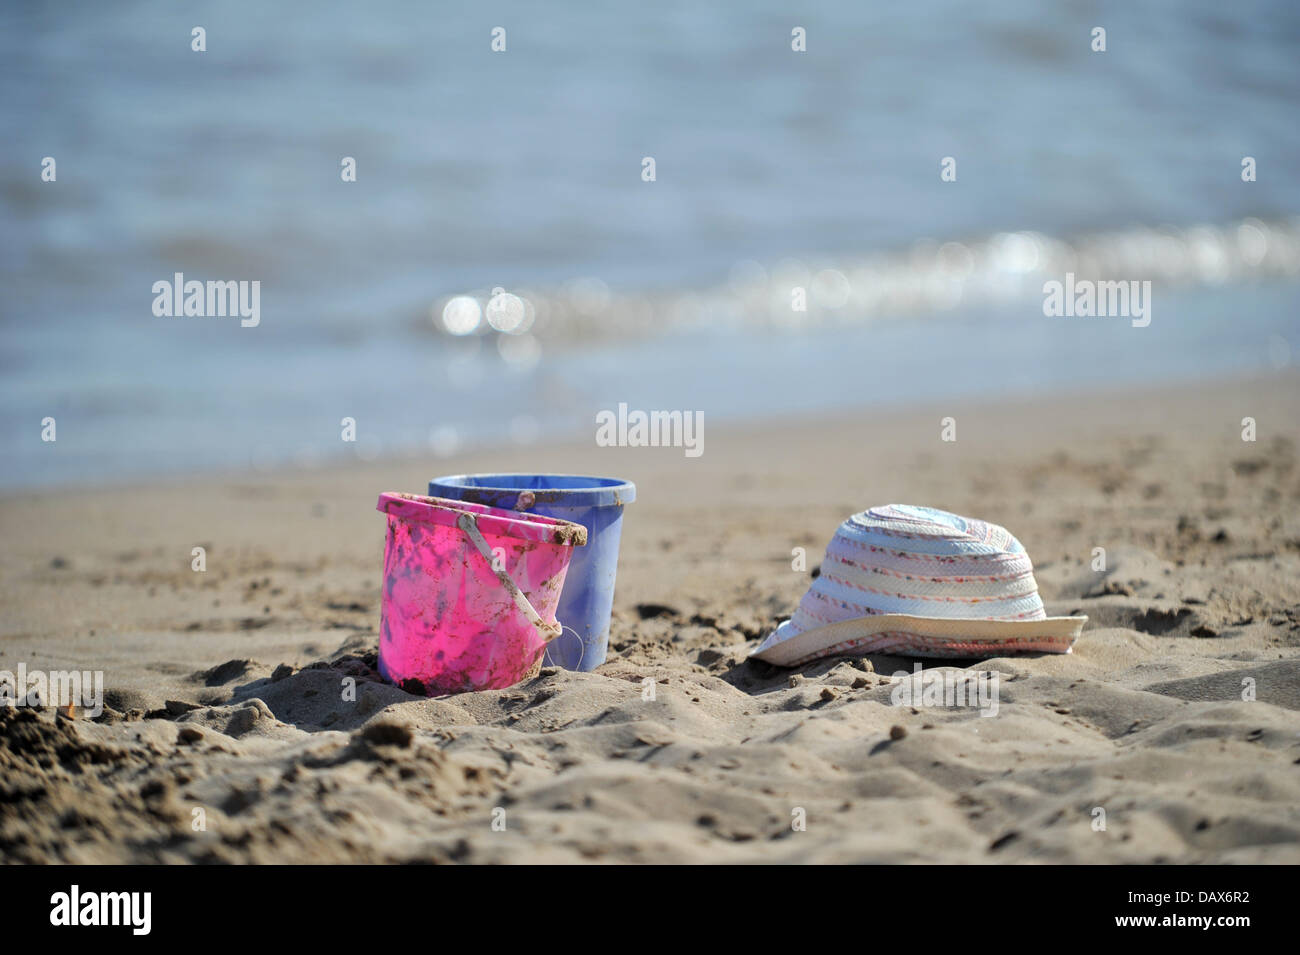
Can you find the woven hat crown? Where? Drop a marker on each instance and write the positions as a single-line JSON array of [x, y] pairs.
[[923, 562]]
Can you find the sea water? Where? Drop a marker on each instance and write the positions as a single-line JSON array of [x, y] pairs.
[[778, 174]]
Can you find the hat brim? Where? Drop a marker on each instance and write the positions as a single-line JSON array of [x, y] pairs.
[[905, 635]]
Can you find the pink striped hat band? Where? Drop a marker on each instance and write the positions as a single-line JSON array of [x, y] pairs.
[[916, 581]]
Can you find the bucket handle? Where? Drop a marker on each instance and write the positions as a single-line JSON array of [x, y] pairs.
[[468, 523]]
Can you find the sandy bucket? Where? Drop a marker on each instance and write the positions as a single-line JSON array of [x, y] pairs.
[[597, 503], [470, 592]]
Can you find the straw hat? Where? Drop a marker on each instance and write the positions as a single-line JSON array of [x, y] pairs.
[[916, 581]]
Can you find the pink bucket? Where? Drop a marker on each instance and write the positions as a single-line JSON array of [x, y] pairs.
[[470, 592]]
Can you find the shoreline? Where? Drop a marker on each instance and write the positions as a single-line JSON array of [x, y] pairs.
[[571, 443], [803, 377]]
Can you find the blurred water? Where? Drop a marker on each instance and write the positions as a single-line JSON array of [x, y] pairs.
[[522, 170]]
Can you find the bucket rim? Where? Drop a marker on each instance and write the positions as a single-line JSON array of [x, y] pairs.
[[445, 512], [606, 492]]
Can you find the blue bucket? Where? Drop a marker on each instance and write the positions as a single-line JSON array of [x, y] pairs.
[[594, 502]]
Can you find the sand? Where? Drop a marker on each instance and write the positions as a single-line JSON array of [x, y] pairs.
[[227, 739]]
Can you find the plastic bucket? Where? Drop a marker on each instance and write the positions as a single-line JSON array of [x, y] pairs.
[[470, 592], [594, 502]]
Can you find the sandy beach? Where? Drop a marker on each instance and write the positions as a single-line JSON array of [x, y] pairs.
[[222, 687]]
